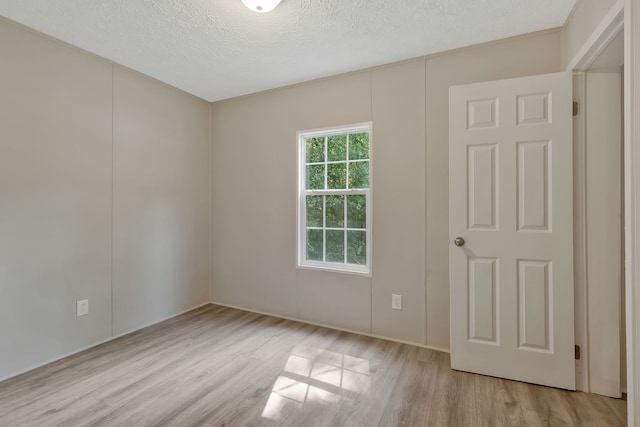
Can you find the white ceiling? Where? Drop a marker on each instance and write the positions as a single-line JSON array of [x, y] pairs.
[[218, 49]]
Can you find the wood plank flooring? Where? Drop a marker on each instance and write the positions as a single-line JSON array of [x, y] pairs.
[[216, 366]]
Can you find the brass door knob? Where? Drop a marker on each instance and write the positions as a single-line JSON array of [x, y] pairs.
[[458, 241]]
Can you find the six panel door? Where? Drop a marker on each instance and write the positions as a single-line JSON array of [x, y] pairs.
[[511, 200]]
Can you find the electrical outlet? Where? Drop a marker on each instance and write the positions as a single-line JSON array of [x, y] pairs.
[[82, 307], [396, 302]]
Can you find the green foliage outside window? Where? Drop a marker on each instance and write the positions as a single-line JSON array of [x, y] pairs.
[[337, 148], [315, 150], [339, 169]]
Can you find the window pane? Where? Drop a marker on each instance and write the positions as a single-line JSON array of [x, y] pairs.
[[335, 246], [337, 148], [337, 175], [359, 175], [315, 177], [359, 146], [315, 150], [357, 247], [314, 245], [357, 211], [314, 211], [335, 211]]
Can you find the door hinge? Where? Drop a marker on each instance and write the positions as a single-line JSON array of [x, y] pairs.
[[577, 352], [575, 108]]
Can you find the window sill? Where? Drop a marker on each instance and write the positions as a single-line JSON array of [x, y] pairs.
[[336, 268]]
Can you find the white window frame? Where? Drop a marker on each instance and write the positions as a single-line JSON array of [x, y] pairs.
[[303, 192]]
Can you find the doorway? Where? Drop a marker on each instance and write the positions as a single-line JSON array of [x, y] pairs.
[[599, 222]]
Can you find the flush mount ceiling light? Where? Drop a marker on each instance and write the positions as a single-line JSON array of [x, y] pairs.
[[261, 6]]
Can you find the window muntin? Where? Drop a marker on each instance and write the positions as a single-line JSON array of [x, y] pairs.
[[334, 219]]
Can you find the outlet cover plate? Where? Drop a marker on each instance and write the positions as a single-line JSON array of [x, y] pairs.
[[396, 302], [82, 307]]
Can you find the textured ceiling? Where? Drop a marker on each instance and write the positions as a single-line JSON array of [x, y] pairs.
[[218, 49]]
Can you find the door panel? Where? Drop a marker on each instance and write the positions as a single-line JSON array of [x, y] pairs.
[[533, 185], [511, 201], [482, 187], [482, 300], [534, 305]]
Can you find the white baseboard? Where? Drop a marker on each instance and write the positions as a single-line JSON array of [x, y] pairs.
[[158, 321], [295, 319]]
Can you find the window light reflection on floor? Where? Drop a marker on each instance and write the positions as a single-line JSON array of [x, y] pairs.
[[314, 377]]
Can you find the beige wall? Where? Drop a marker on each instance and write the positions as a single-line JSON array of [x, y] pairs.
[[584, 20], [63, 162], [160, 201], [254, 203], [254, 190]]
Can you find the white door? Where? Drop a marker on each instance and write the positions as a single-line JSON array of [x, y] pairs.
[[511, 200]]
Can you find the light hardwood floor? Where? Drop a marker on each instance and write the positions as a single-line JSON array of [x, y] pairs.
[[216, 366]]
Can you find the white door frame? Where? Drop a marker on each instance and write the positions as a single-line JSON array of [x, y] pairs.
[[632, 198], [626, 13], [580, 234]]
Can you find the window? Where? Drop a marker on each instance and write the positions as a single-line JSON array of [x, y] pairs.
[[334, 199]]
